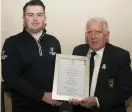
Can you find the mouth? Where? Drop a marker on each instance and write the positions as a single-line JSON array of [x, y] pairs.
[[94, 42], [35, 24]]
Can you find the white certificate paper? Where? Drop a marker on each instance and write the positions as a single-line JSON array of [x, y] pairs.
[[71, 78]]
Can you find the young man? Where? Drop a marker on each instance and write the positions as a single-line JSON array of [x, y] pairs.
[[28, 61], [110, 72]]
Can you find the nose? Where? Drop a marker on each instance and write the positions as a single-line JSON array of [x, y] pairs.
[[34, 17], [93, 34]]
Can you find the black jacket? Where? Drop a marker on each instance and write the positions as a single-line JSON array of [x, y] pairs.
[[118, 70], [28, 64]]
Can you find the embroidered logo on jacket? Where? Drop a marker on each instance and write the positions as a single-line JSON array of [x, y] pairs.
[[3, 55], [51, 51]]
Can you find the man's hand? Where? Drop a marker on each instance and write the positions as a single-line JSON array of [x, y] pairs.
[[75, 101], [89, 102], [48, 99]]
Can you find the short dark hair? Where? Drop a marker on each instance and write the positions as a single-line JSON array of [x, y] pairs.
[[33, 3]]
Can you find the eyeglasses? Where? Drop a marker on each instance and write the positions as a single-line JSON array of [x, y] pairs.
[[96, 32]]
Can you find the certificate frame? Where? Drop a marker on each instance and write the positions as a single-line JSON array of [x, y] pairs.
[[67, 97]]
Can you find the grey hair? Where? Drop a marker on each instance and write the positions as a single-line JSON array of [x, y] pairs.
[[98, 19]]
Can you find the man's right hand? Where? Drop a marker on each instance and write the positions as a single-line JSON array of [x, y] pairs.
[[48, 99]]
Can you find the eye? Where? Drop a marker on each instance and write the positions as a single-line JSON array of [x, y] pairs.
[[88, 32], [30, 15], [98, 31], [40, 15]]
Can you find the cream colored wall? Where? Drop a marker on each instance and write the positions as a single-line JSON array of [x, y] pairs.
[[66, 20], [0, 41]]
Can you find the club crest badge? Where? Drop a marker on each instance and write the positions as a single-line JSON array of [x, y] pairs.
[[111, 83], [51, 51], [104, 66], [3, 55]]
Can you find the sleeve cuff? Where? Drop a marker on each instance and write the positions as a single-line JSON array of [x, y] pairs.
[[97, 102]]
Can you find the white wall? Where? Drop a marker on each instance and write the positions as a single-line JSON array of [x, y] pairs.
[[66, 20]]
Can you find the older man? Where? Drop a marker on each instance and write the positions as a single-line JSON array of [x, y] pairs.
[[110, 72]]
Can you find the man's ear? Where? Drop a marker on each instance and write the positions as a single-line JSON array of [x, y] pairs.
[[86, 38], [107, 36], [45, 24], [23, 18]]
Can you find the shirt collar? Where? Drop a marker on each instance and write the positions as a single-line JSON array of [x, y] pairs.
[[37, 35], [99, 52]]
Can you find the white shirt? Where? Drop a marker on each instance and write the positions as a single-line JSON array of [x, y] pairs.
[[36, 35], [97, 63]]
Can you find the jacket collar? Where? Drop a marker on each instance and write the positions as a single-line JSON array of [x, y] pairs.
[[25, 30]]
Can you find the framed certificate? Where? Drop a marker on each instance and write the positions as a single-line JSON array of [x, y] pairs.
[[71, 77]]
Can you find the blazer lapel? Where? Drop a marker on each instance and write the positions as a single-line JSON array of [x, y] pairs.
[[103, 66], [104, 58]]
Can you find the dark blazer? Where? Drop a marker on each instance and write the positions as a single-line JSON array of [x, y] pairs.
[[114, 83]]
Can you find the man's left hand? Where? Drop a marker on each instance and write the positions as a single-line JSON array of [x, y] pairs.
[[89, 102]]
